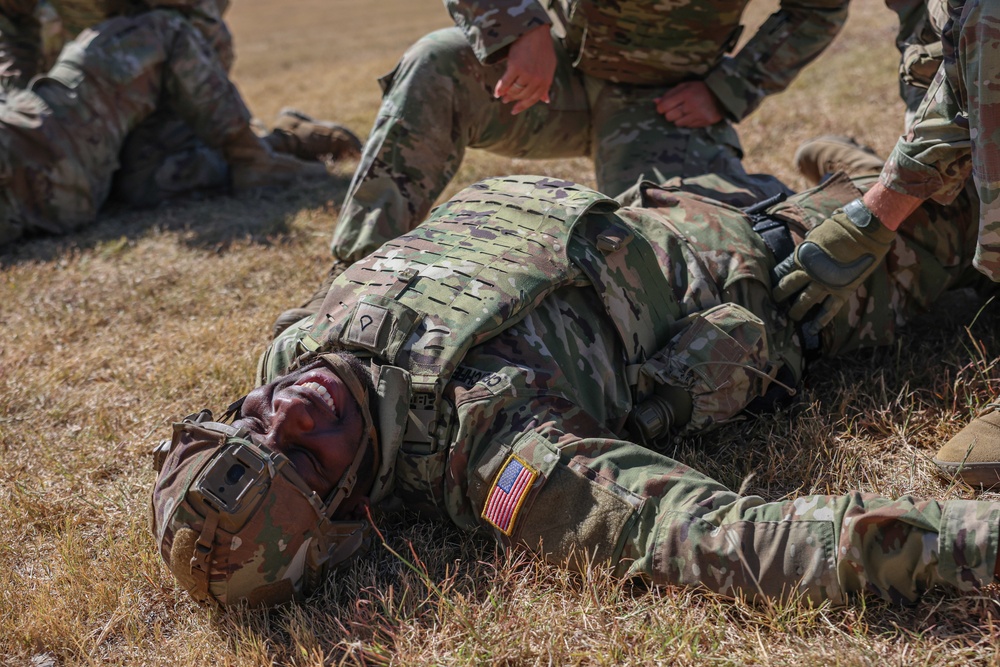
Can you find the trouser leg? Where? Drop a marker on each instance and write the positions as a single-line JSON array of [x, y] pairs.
[[65, 135], [438, 102], [978, 56], [633, 141], [42, 184], [162, 159]]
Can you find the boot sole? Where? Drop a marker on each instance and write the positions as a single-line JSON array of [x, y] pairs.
[[986, 475]]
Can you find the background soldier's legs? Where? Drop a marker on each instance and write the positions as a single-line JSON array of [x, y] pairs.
[[438, 102], [162, 159], [632, 140]]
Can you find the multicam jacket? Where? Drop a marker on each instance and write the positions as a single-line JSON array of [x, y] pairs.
[[32, 32], [529, 435], [651, 43], [956, 131], [919, 42]]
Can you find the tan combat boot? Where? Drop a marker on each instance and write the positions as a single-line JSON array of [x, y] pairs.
[[973, 455], [252, 164], [304, 137], [819, 157], [311, 305]]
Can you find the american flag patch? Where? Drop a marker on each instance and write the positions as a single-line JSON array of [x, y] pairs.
[[508, 493]]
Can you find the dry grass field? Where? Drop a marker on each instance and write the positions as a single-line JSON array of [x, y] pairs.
[[109, 335]]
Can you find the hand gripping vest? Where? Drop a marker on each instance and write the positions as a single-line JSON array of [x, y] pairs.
[[498, 248]]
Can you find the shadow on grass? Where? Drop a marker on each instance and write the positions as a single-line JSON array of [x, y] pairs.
[[207, 221]]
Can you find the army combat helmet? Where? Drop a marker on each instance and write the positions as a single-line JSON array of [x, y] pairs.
[[235, 522]]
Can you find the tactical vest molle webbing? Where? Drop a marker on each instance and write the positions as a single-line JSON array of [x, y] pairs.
[[480, 264], [649, 42]]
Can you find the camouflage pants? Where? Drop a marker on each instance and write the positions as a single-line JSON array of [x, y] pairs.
[[60, 139], [163, 158], [438, 102]]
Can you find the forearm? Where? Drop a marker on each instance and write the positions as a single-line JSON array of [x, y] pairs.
[[822, 547], [491, 26], [889, 206], [789, 40]]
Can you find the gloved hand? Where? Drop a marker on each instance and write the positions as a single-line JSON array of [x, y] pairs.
[[831, 263]]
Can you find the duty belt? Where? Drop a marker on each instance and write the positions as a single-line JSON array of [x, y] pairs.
[[777, 237], [773, 232]]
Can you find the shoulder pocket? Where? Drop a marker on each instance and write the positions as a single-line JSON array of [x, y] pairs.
[[558, 507]]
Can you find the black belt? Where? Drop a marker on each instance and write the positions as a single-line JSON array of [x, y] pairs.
[[775, 235], [773, 231]]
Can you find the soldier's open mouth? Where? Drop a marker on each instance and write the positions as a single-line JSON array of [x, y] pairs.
[[323, 393]]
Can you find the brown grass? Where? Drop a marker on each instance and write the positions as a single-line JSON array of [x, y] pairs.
[[111, 334]]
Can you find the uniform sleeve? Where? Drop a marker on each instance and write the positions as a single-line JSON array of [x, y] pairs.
[[491, 26], [789, 40], [593, 499], [20, 43], [981, 61], [957, 129], [206, 16], [933, 159]]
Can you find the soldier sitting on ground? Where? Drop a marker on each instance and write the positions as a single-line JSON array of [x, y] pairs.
[[64, 135], [519, 363]]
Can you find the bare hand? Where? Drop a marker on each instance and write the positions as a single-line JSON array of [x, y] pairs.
[[531, 64], [690, 104]]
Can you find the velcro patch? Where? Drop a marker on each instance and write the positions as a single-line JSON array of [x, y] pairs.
[[507, 494], [366, 325]]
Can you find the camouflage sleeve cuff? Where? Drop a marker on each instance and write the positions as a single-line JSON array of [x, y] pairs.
[[967, 543], [913, 177], [491, 27], [736, 95]]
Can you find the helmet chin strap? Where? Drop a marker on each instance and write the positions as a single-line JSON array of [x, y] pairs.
[[345, 486]]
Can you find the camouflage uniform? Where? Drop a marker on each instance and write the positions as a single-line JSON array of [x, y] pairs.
[[531, 437], [613, 61], [60, 138], [919, 42], [956, 129], [33, 32], [162, 157]]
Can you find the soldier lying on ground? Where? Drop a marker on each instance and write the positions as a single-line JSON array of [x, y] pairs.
[[518, 363], [162, 157], [61, 137]]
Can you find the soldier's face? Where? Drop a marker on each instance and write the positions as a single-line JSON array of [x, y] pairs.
[[310, 417]]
